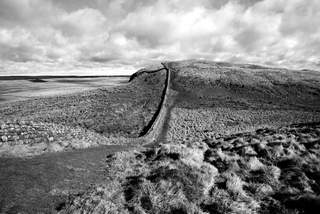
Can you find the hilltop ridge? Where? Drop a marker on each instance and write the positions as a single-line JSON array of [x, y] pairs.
[[237, 139], [225, 138]]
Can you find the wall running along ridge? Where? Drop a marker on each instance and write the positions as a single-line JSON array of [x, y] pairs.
[[155, 126], [148, 136], [153, 130]]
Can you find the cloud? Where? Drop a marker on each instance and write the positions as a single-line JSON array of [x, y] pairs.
[[29, 13], [134, 32], [82, 22], [18, 45]]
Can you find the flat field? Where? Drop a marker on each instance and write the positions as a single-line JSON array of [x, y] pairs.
[[22, 89]]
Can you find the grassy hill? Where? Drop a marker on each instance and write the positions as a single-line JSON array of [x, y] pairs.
[[216, 99], [230, 146], [224, 84], [80, 119]]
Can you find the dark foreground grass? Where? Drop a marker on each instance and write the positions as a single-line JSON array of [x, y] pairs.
[[265, 171]]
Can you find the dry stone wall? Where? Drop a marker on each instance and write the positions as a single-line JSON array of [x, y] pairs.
[[157, 125], [28, 138]]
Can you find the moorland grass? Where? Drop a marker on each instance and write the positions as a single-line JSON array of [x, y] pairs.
[[228, 148], [214, 176]]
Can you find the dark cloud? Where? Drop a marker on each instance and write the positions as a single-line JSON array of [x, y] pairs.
[[103, 59], [73, 5], [220, 3]]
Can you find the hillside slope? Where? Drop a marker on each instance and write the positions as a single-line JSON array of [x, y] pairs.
[[80, 120], [247, 85], [229, 147], [215, 99]]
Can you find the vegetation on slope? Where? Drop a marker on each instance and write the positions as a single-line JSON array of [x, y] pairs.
[[119, 112], [228, 147], [222, 84], [265, 171], [216, 99]]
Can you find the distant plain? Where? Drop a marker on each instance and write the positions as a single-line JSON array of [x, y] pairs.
[[22, 89]]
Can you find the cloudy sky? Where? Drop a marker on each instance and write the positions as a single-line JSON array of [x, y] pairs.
[[119, 36]]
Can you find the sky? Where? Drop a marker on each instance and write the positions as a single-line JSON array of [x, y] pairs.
[[111, 37]]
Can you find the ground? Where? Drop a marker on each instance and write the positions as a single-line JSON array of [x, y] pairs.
[[79, 120], [265, 171], [230, 146], [238, 138]]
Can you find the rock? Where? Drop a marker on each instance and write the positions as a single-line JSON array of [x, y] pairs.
[[37, 140], [55, 147], [264, 190], [275, 171], [248, 150], [3, 126], [65, 143], [255, 141], [26, 141], [254, 164], [22, 122], [208, 173], [239, 142], [261, 146], [4, 138]]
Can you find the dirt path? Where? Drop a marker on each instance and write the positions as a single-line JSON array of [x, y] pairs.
[[36, 185]]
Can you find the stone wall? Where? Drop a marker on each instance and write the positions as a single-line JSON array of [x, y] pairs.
[[157, 125]]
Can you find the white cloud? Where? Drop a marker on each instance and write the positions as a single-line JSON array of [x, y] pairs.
[[122, 32], [82, 22]]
